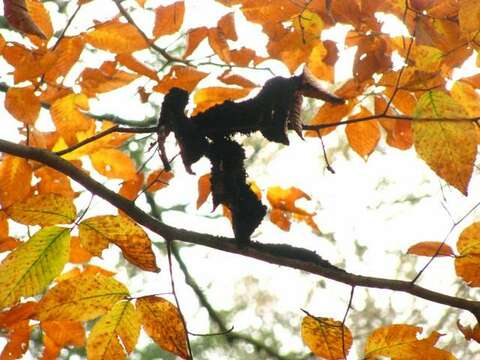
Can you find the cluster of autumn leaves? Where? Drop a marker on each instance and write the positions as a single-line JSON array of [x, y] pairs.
[[411, 105]]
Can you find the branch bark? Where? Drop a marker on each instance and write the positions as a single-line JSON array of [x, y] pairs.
[[284, 255]]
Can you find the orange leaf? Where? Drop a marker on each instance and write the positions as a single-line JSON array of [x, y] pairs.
[[113, 164], [15, 177], [244, 56], [158, 180], [131, 188], [328, 114], [17, 313], [97, 81], [467, 263], [78, 255], [133, 64], [23, 104], [67, 54], [400, 341], [28, 64], [182, 77], [68, 118], [469, 332], [162, 322], [363, 136], [17, 345], [194, 38], [59, 334], [52, 181], [3, 225], [168, 19], [116, 37], [208, 97], [219, 45], [233, 79], [327, 338], [8, 243], [204, 189], [226, 25], [280, 218], [430, 248], [20, 18]]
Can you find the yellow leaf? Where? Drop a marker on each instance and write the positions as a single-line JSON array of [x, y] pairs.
[[326, 338], [168, 19], [309, 24], [182, 77], [116, 37], [363, 136], [204, 189], [284, 199], [467, 264], [17, 345], [113, 164], [96, 233], [400, 342], [59, 334], [208, 97], [430, 248], [449, 148], [158, 180], [23, 104], [464, 93], [427, 58], [43, 210], [81, 298], [28, 269], [68, 118], [15, 178], [161, 321], [115, 334]]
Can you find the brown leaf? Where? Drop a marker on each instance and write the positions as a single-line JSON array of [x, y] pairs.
[[469, 332], [204, 189], [18, 16], [17, 314], [194, 38], [158, 179]]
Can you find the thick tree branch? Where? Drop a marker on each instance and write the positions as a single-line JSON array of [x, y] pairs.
[[284, 255]]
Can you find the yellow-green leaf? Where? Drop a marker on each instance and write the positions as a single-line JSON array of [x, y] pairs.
[[43, 210], [448, 147], [324, 337], [28, 269], [81, 298], [467, 264], [115, 334], [161, 321], [96, 233]]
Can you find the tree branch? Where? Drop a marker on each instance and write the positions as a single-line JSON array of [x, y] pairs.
[[284, 255]]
